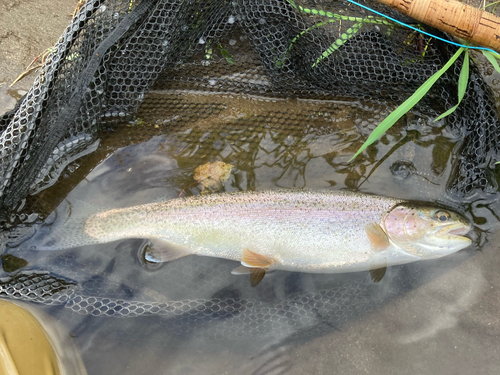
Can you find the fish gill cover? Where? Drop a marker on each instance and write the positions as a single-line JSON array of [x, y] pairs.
[[114, 52]]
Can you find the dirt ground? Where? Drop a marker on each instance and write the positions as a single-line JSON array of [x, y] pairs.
[[27, 28]]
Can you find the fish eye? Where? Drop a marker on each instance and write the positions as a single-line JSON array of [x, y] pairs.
[[442, 216]]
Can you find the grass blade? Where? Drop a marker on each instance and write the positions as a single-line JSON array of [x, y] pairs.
[[407, 105], [492, 59], [462, 85]]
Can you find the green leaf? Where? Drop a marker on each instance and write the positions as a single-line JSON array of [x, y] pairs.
[[492, 59], [407, 105], [462, 85], [227, 56]]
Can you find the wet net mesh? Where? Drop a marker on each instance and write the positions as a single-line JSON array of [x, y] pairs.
[[227, 314], [116, 51]]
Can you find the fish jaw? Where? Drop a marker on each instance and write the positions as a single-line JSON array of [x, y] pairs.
[[451, 237], [454, 230]]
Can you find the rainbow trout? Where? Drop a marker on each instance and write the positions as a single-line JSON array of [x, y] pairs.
[[307, 231]]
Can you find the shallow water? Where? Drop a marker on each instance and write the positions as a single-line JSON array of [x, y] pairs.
[[191, 316]]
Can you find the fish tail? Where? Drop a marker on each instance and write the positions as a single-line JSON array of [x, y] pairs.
[[64, 229]]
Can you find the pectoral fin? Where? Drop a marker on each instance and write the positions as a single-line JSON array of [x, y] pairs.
[[378, 238]]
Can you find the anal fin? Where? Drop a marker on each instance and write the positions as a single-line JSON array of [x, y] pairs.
[[158, 251]]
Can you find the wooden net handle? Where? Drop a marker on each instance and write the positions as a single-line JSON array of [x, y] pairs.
[[461, 20]]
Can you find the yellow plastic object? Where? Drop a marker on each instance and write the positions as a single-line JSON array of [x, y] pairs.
[[24, 346], [32, 344]]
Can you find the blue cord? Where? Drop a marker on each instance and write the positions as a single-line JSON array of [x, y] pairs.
[[420, 31]]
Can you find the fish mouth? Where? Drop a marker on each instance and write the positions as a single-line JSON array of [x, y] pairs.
[[464, 229], [456, 231]]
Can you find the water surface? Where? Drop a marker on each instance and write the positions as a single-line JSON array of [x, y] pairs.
[[192, 316]]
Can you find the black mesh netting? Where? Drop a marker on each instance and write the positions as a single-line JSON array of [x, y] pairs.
[[233, 312], [114, 52]]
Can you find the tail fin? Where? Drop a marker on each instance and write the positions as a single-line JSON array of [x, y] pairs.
[[63, 229]]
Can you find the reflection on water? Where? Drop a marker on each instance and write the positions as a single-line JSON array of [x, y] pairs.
[[191, 315]]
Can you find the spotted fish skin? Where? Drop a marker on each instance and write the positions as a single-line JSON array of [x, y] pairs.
[[309, 231]]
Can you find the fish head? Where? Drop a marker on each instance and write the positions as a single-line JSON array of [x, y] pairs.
[[426, 231]]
